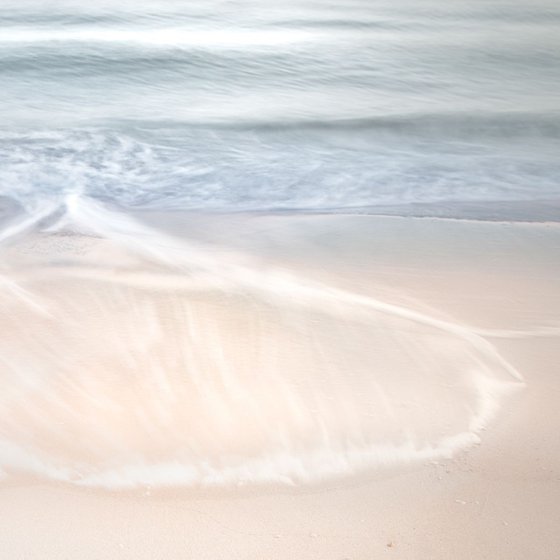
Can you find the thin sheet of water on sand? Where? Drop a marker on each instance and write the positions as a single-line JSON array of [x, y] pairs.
[[125, 368]]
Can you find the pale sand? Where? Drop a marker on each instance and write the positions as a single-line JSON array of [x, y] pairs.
[[499, 499]]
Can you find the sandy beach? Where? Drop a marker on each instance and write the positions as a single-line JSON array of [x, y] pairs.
[[179, 402], [279, 280]]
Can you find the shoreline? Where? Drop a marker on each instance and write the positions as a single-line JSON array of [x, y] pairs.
[[478, 503], [538, 212]]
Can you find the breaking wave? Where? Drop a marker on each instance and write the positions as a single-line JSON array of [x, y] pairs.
[[187, 167]]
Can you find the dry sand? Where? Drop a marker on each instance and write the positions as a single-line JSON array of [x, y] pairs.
[[498, 499]]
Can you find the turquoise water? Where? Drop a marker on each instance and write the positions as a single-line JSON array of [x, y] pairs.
[[304, 105]]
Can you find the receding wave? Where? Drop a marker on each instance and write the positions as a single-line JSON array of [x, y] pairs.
[[131, 357]]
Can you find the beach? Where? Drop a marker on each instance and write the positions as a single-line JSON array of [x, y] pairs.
[[438, 338], [279, 281]]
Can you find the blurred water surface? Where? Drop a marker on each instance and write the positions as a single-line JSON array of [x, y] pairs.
[[303, 104]]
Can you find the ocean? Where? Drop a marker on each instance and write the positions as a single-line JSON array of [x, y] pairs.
[[304, 105]]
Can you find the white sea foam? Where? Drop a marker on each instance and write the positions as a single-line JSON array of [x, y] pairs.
[[163, 363], [163, 37], [163, 166]]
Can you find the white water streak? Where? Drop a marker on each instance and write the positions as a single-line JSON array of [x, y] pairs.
[[270, 284]]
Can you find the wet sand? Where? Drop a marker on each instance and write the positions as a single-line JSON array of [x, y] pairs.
[[494, 283]]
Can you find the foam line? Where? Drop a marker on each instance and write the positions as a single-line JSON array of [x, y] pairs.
[[535, 332], [166, 37]]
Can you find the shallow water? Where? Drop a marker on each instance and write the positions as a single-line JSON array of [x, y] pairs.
[[132, 357]]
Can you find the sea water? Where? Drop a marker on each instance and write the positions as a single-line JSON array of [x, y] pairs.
[[304, 104]]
